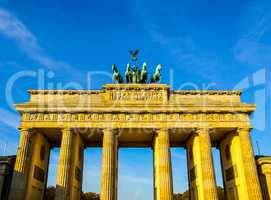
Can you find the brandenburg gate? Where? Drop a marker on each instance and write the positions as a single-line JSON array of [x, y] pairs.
[[136, 115]]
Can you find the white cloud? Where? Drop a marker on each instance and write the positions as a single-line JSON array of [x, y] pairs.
[[253, 52], [255, 23], [16, 30], [13, 28], [136, 179], [182, 47], [9, 118], [179, 156]]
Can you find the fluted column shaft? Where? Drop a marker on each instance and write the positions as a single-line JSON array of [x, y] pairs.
[[268, 184], [109, 166], [22, 165], [63, 189], [23, 151], [206, 162], [162, 166], [249, 165]]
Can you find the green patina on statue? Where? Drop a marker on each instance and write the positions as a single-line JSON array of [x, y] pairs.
[[144, 74], [156, 77], [133, 74], [117, 78]]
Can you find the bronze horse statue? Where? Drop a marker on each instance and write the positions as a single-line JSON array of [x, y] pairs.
[[128, 74], [117, 78], [156, 77], [135, 75], [143, 74]]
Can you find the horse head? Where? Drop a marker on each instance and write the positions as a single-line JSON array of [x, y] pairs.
[[135, 69], [128, 67], [144, 67], [158, 68], [114, 68]]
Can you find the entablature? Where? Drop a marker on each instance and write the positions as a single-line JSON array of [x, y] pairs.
[[135, 98]]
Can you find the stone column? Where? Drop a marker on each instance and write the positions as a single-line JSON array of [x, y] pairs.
[[6, 170], [22, 165], [64, 179], [266, 185], [162, 166], [109, 165], [208, 175], [249, 165], [77, 167], [38, 167], [241, 180], [264, 171], [154, 171], [200, 164]]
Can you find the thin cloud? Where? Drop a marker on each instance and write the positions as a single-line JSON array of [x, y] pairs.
[[255, 22], [182, 48], [7, 147], [177, 155], [136, 179], [16, 30], [252, 52], [9, 118]]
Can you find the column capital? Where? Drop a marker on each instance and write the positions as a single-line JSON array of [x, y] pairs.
[[246, 129], [26, 131], [65, 129], [158, 130], [161, 129], [200, 130], [115, 131], [23, 128]]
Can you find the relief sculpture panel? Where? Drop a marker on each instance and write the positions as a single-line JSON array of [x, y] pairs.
[[133, 117]]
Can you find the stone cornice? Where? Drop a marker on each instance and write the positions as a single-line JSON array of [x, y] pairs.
[[244, 108], [136, 98], [136, 86], [62, 92], [207, 92], [263, 160], [132, 86]]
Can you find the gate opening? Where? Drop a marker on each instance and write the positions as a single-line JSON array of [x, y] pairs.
[[92, 171], [52, 171], [135, 173], [179, 171], [218, 172]]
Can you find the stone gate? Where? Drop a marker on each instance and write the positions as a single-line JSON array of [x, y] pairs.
[[136, 115]]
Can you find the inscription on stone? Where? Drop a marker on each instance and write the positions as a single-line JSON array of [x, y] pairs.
[[39, 173], [78, 174], [230, 173], [192, 174], [136, 95]]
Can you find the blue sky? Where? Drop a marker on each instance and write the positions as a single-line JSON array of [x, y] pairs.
[[201, 44]]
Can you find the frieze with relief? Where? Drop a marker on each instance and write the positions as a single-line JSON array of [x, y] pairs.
[[133, 117]]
